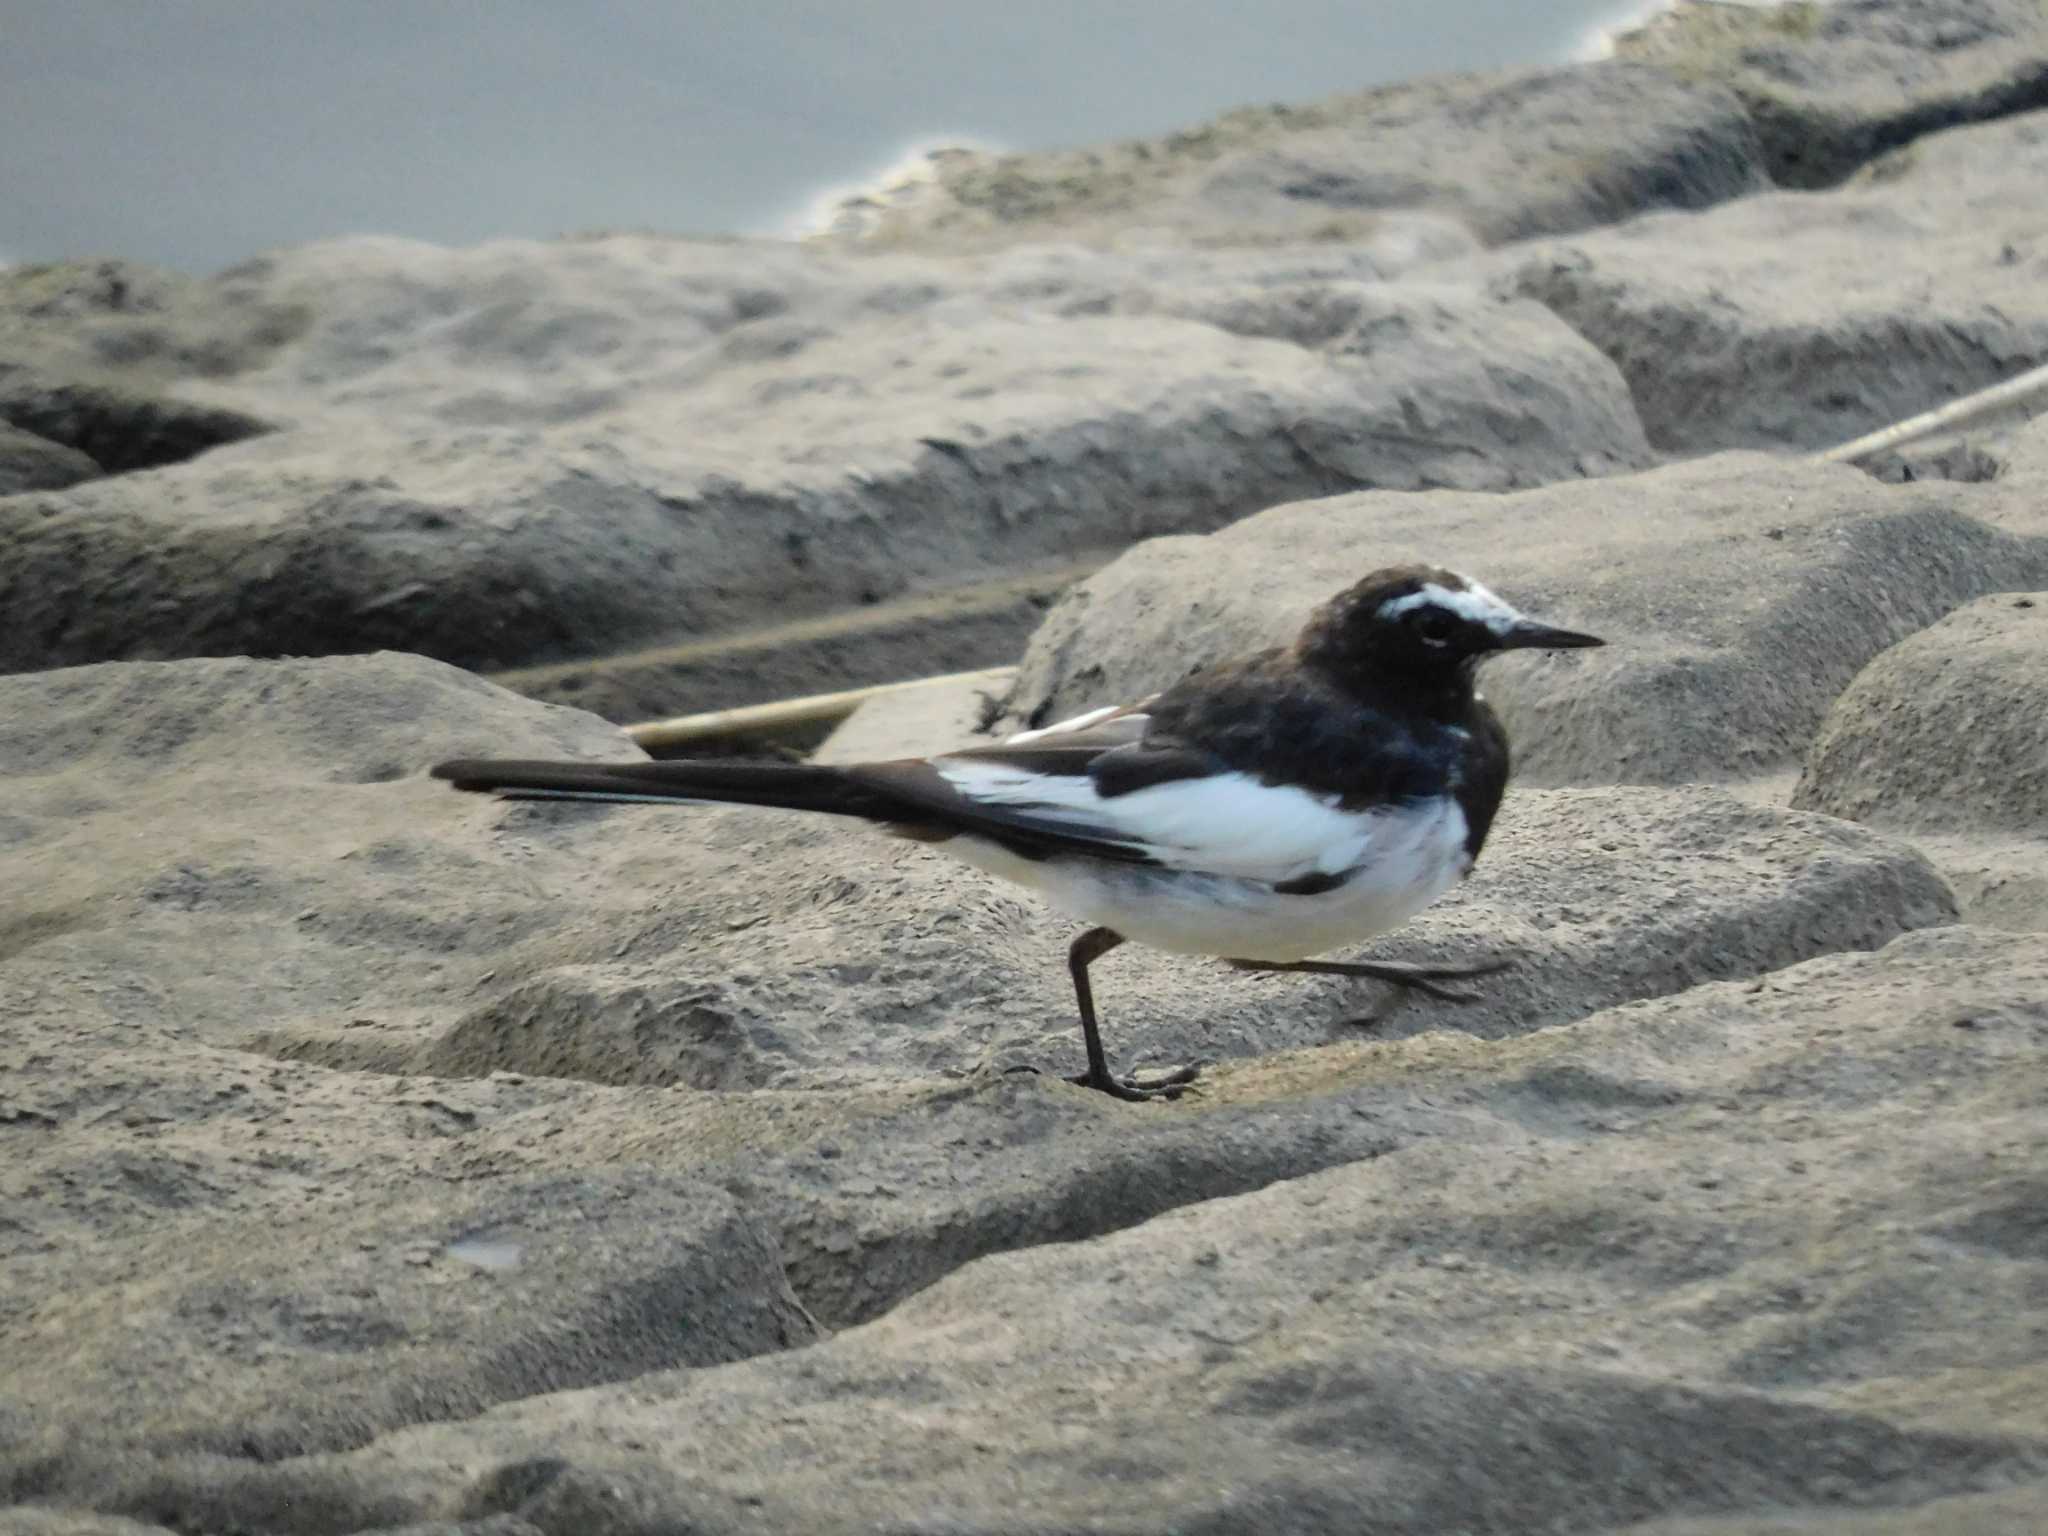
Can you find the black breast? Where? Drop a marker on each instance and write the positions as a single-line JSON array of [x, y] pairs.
[[1486, 775]]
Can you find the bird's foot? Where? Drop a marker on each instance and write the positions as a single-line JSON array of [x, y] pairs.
[[1141, 1087], [1138, 1088]]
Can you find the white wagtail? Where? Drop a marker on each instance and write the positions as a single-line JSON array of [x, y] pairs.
[[1263, 810]]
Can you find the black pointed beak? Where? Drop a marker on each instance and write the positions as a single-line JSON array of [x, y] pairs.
[[1529, 636]]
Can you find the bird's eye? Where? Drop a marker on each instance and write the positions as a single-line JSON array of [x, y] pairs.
[[1434, 625]]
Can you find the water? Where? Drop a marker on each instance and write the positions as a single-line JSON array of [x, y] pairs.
[[198, 133]]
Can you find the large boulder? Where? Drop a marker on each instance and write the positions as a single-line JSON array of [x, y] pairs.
[[1945, 736], [1513, 156], [1946, 730], [523, 453], [1739, 595], [1830, 87], [1803, 320], [1506, 155]]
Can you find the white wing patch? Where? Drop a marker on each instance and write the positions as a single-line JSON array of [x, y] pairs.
[[1221, 824], [1475, 604], [1411, 856]]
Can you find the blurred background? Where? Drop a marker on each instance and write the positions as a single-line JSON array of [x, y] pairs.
[[196, 134]]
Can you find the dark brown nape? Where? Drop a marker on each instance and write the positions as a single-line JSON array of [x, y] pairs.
[[1341, 637], [1368, 593]]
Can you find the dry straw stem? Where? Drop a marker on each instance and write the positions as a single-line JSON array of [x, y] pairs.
[[2014, 393], [789, 714]]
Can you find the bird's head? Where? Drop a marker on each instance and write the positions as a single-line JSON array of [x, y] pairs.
[[1422, 624]]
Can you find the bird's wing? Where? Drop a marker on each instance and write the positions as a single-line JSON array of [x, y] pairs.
[[1113, 786]]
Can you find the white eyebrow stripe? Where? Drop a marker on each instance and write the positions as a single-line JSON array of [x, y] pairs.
[[1475, 603]]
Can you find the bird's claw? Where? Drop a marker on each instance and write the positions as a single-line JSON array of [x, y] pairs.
[[1141, 1088], [1138, 1088]]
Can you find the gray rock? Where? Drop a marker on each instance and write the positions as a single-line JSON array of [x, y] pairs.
[[116, 427], [1650, 1265], [1710, 103], [1968, 1514], [914, 722], [1513, 156], [1508, 155], [1973, 458], [981, 625], [102, 358], [1832, 86], [1739, 596], [1595, 895], [271, 1337], [125, 323], [2024, 459], [29, 1520], [31, 463], [1803, 320], [425, 932], [1945, 731], [759, 463]]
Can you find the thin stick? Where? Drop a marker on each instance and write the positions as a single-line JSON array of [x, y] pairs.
[[786, 714], [2015, 391]]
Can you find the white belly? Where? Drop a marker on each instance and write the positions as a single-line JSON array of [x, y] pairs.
[[1413, 856]]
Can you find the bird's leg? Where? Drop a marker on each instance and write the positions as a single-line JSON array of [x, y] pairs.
[[1089, 947], [1416, 978]]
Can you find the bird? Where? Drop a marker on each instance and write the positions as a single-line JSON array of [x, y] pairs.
[[1264, 810]]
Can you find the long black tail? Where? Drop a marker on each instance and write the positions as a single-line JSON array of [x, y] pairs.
[[909, 796], [791, 786]]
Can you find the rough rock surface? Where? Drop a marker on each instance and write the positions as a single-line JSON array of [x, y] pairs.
[[527, 452], [1525, 154], [1803, 320], [125, 320], [1739, 594], [1948, 729], [32, 463], [577, 1033], [1945, 735], [1273, 1362], [962, 629], [1713, 102], [1831, 87], [277, 809], [378, 1159], [915, 722], [116, 427], [2024, 456]]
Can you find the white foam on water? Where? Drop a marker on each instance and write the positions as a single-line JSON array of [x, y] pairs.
[[1597, 41], [853, 207]]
